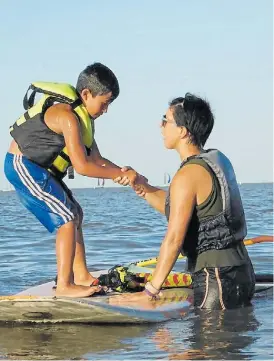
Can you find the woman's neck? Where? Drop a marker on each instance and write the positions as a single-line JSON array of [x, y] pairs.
[[188, 150]]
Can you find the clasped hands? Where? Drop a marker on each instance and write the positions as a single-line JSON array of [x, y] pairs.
[[134, 179]]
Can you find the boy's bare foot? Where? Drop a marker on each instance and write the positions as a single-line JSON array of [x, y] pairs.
[[85, 280], [76, 291]]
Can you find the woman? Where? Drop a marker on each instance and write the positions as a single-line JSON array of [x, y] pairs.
[[206, 220]]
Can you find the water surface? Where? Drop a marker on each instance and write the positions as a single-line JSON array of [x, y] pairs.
[[119, 228]]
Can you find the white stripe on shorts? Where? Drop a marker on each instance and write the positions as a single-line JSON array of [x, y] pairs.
[[52, 202]]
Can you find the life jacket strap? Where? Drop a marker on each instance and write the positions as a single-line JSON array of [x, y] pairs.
[[28, 101], [56, 173], [76, 103]]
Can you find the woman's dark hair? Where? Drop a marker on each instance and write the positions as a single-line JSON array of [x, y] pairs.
[[99, 80], [195, 115]]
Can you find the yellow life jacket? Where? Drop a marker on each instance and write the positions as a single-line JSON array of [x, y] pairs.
[[57, 93]]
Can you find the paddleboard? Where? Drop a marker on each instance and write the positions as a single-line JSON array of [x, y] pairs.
[[39, 304]]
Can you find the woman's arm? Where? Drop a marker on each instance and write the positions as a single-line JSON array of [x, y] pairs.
[[154, 196], [182, 203]]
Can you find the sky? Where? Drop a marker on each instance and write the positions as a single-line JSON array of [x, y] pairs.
[[220, 50]]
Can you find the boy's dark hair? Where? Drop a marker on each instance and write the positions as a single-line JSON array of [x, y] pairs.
[[99, 80], [195, 114]]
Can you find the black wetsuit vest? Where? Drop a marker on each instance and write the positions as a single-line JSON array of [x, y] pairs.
[[226, 228]]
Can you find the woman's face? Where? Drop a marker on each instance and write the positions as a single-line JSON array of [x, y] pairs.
[[170, 131]]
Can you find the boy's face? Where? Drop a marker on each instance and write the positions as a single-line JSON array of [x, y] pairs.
[[96, 105]]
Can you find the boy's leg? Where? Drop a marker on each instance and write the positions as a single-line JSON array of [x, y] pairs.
[[80, 270], [45, 197], [65, 252]]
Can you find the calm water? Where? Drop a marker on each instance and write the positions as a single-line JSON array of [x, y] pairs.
[[120, 227]]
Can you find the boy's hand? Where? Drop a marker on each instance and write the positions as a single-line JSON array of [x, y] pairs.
[[124, 181], [132, 176]]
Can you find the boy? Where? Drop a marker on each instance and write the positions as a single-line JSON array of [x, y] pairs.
[[48, 138]]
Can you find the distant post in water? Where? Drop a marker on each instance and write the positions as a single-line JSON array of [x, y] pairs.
[[70, 173], [167, 179]]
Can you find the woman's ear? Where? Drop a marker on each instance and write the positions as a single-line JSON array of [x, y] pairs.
[[183, 132]]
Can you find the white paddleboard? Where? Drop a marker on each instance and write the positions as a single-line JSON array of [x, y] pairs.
[[38, 304]]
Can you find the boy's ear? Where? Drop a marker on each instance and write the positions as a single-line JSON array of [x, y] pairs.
[[85, 93]]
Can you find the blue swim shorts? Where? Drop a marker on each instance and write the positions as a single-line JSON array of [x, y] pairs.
[[40, 192]]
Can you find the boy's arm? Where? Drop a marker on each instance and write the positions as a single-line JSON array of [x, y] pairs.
[[70, 128], [96, 157], [155, 197]]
